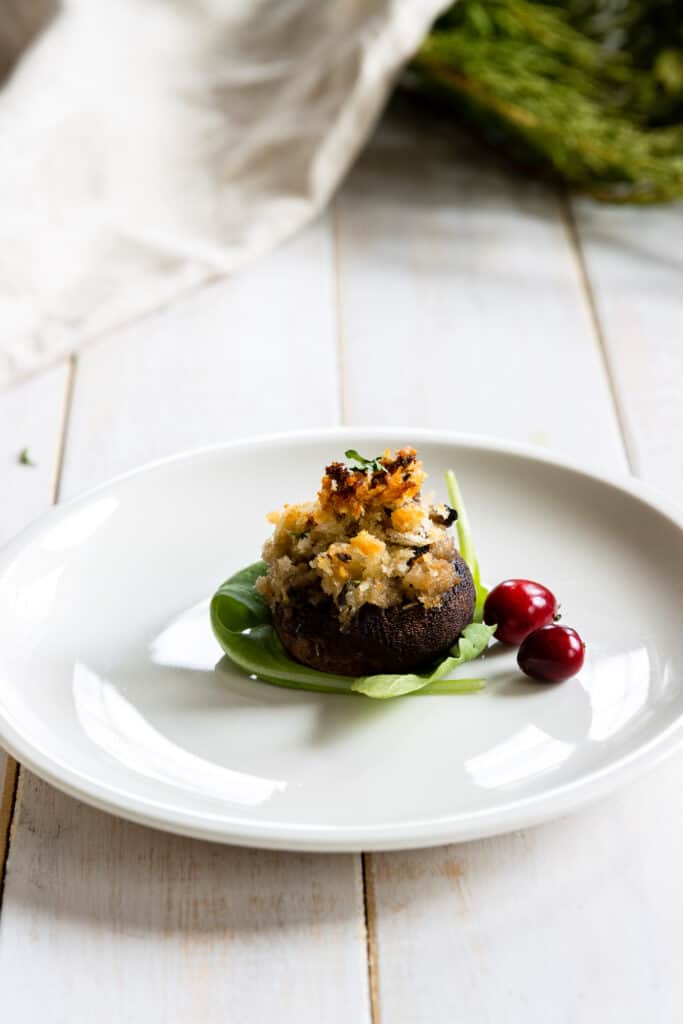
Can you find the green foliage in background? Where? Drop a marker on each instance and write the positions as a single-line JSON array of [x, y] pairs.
[[591, 90]]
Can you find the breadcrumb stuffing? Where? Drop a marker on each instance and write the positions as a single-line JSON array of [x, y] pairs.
[[369, 538]]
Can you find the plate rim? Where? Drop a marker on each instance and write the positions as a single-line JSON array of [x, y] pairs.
[[463, 826]]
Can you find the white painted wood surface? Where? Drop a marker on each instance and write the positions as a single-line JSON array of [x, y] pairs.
[[431, 256], [634, 259], [31, 418]]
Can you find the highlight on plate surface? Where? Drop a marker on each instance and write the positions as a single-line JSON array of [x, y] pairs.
[[367, 590]]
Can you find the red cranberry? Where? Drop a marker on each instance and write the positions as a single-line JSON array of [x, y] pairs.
[[551, 654], [518, 607]]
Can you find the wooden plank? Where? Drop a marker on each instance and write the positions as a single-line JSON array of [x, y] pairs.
[[460, 303], [31, 416], [108, 921], [576, 920], [111, 922], [634, 258], [462, 307]]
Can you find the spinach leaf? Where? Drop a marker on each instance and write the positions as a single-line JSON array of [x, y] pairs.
[[472, 642], [241, 623], [237, 604], [383, 687], [386, 687], [260, 653], [450, 686]]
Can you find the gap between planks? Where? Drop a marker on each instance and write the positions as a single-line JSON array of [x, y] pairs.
[[588, 293], [370, 916], [8, 801], [7, 805]]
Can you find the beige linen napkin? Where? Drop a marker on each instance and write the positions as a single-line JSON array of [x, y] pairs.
[[148, 145]]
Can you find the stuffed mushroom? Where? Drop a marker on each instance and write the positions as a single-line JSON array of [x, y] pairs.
[[366, 579]]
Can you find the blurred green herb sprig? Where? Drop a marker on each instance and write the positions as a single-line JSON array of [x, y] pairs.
[[588, 90]]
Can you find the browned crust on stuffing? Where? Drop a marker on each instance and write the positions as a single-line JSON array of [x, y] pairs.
[[351, 491]]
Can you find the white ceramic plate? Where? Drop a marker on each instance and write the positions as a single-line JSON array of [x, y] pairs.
[[112, 686]]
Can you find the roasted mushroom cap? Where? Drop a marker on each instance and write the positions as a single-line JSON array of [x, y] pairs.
[[378, 640]]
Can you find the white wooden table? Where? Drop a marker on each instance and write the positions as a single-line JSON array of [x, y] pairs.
[[530, 317]]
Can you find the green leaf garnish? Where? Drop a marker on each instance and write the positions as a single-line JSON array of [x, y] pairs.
[[242, 625], [472, 642], [260, 653], [24, 458], [237, 604], [371, 465], [466, 542], [450, 686], [382, 687]]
